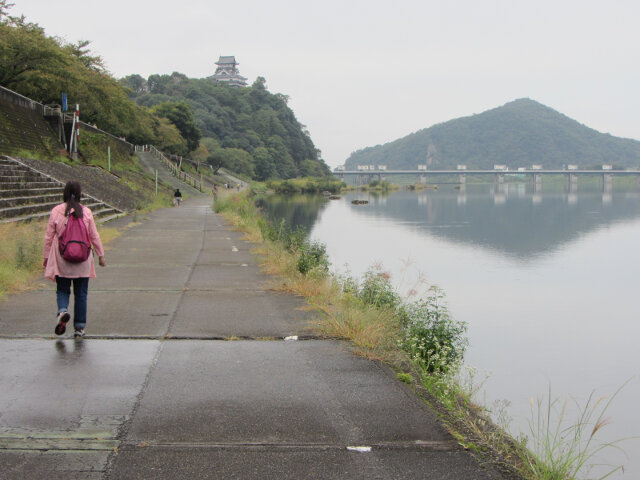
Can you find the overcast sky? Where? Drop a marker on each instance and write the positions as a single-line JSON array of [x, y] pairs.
[[362, 73]]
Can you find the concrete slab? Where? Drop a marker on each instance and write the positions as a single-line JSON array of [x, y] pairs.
[[119, 313], [227, 313], [122, 313], [276, 392], [164, 463], [151, 256], [208, 277], [141, 276], [227, 256], [53, 464], [30, 313], [58, 389]]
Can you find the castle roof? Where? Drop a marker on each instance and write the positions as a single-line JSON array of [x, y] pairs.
[[231, 60]]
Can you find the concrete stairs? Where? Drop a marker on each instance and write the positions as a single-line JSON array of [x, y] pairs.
[[27, 194]]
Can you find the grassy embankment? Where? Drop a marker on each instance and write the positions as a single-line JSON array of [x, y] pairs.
[[21, 253], [422, 343]]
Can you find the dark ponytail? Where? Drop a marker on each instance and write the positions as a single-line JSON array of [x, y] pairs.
[[71, 196]]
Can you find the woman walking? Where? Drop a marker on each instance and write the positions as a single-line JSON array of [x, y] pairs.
[[65, 272]]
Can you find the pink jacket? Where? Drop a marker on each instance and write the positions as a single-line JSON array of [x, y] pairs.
[[56, 265]]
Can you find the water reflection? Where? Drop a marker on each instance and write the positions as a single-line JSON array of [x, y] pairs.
[[69, 350], [508, 218], [295, 210]]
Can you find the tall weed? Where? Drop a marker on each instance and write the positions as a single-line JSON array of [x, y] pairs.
[[20, 254], [559, 448]]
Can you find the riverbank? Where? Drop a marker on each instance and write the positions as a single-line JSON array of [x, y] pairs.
[[369, 314]]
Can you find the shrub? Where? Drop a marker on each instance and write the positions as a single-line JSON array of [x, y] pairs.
[[313, 257], [376, 290], [432, 337]]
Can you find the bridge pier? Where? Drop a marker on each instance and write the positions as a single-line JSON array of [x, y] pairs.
[[607, 182], [572, 182], [462, 179], [536, 182], [462, 195], [499, 179], [536, 199], [423, 179]]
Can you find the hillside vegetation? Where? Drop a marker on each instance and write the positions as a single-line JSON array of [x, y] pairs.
[[248, 130], [42, 68], [518, 134]]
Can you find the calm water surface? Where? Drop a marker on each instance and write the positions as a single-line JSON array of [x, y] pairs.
[[548, 284]]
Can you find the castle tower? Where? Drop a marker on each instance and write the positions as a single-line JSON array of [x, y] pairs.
[[227, 72]]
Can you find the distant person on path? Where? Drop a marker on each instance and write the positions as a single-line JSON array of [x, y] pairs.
[[177, 197], [64, 272]]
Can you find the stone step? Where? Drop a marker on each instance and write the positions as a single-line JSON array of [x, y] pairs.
[[103, 210], [26, 200], [24, 177], [24, 218], [30, 185], [30, 192], [23, 210], [27, 194], [105, 219], [101, 213], [8, 169]]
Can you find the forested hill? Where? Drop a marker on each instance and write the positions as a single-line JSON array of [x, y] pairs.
[[518, 134], [249, 130]]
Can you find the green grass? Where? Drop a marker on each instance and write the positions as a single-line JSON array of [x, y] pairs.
[[20, 254], [559, 448]]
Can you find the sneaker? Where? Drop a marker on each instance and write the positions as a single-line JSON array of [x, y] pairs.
[[63, 318], [79, 333]]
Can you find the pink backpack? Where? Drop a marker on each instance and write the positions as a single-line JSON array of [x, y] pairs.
[[74, 243]]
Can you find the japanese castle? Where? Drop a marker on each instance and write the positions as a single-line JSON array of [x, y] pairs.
[[227, 72]]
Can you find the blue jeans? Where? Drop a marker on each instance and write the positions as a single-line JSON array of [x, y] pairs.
[[80, 292]]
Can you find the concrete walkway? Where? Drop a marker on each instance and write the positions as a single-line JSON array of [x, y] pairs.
[[153, 392]]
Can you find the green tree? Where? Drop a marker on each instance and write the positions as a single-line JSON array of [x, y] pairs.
[[265, 167], [136, 83], [181, 115]]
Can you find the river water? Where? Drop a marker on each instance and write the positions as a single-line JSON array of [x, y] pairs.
[[547, 283]]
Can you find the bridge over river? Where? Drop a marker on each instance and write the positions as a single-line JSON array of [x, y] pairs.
[[535, 175]]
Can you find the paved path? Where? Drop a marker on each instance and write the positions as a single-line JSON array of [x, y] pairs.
[[154, 393]]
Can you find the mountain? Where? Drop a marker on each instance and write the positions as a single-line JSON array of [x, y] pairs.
[[248, 130], [518, 134]]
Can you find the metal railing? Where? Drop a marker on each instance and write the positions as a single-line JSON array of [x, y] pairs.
[[173, 168]]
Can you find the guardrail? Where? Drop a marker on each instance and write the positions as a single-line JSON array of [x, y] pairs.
[[184, 176]]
